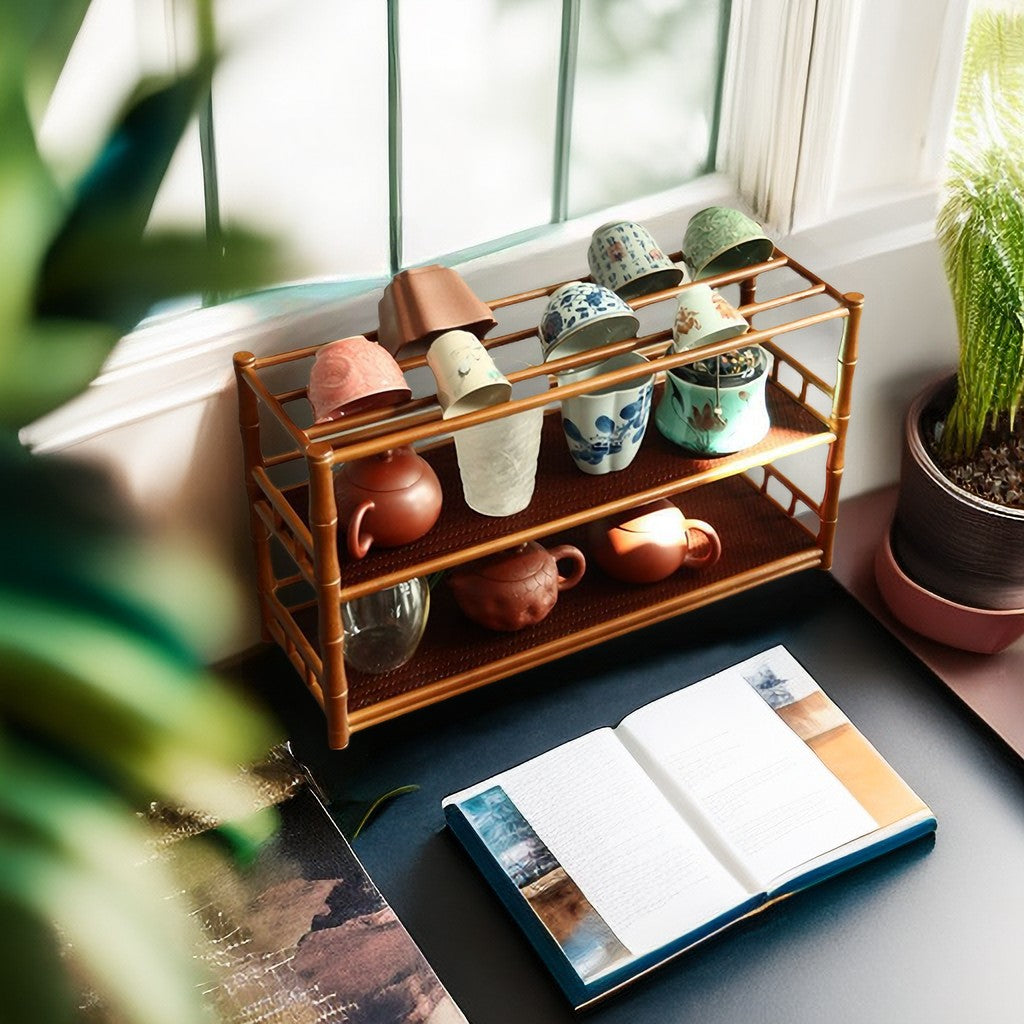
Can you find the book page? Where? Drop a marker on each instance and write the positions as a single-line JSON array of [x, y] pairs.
[[599, 852], [730, 761]]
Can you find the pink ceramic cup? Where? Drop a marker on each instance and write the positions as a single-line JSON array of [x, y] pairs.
[[352, 375]]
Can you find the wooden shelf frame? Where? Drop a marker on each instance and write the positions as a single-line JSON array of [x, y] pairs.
[[297, 523]]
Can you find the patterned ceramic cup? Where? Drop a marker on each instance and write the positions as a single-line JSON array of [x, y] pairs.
[[720, 239], [603, 429], [625, 258], [582, 316], [704, 317], [466, 376], [713, 414], [352, 375]]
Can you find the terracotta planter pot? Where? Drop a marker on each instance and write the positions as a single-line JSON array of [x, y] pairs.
[[983, 630], [954, 544]]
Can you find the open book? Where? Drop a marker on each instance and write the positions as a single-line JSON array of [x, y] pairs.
[[626, 846]]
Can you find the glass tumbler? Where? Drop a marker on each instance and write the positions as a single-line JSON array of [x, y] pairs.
[[383, 629]]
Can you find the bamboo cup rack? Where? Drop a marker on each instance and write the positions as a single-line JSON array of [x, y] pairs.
[[303, 578]]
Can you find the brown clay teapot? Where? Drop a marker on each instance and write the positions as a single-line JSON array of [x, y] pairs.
[[515, 588], [647, 544], [388, 499]]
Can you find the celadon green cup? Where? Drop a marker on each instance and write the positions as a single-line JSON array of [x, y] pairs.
[[720, 239]]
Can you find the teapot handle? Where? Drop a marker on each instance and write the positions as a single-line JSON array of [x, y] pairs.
[[567, 551], [714, 550], [359, 546]]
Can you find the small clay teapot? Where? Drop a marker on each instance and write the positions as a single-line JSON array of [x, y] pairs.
[[650, 543], [515, 588], [388, 499]]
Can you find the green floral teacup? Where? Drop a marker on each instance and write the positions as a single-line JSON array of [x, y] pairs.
[[720, 239], [720, 413]]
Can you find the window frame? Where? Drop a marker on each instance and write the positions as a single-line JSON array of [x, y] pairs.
[[779, 159]]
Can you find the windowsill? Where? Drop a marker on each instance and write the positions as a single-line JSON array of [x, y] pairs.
[[989, 684], [176, 360]]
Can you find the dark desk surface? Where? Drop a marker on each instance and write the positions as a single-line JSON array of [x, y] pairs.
[[933, 932]]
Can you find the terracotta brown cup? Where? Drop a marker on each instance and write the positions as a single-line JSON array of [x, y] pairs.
[[421, 303], [352, 375]]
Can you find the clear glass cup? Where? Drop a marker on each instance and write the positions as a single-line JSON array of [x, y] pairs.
[[383, 629]]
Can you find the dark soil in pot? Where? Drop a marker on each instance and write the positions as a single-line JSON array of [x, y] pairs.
[[996, 470]]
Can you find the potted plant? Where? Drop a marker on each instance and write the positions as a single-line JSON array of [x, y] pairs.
[[953, 565]]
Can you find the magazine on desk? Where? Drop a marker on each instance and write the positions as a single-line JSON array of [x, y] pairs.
[[626, 846]]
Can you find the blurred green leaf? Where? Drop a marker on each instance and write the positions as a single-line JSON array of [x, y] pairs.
[[29, 211], [116, 195], [126, 703], [68, 539], [28, 952], [70, 852], [105, 706], [109, 275], [47, 364]]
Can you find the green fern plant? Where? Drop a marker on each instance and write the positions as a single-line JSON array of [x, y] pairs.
[[981, 231]]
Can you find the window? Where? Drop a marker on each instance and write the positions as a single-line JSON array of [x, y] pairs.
[[831, 123], [491, 119]]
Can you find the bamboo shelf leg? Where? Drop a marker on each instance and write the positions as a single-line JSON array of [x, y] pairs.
[[249, 423], [840, 420], [323, 521]]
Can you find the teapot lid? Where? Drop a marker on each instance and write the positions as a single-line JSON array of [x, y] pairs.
[[393, 470], [510, 566]]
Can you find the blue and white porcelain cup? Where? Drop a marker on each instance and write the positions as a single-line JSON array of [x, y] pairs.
[[581, 316], [624, 257], [604, 428]]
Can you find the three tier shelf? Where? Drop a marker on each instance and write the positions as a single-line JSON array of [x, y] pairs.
[[303, 576]]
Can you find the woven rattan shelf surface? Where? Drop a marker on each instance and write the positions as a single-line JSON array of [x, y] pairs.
[[563, 493], [759, 542]]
